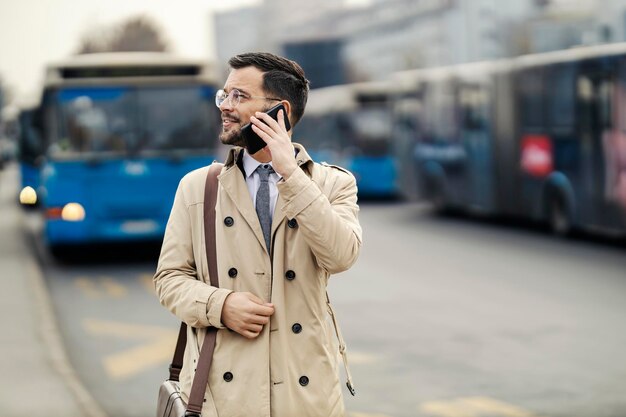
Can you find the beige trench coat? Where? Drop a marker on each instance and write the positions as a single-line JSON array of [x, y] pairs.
[[290, 369]]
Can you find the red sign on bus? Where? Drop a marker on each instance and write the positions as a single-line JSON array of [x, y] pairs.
[[537, 157]]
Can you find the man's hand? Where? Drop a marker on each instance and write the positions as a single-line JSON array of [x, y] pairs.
[[246, 314], [279, 145]]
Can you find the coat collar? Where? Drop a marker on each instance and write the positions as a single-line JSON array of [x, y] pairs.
[[235, 157], [232, 179]]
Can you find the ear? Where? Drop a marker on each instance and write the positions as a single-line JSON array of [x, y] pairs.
[[287, 108]]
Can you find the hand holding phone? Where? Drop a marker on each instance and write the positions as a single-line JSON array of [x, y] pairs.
[[253, 142]]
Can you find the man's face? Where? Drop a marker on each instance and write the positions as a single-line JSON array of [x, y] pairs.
[[248, 81]]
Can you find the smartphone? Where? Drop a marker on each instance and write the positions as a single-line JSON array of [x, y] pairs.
[[253, 142]]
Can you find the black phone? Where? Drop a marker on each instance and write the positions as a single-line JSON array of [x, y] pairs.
[[253, 142]]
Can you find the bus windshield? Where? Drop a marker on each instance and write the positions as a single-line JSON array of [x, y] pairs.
[[372, 123], [132, 120]]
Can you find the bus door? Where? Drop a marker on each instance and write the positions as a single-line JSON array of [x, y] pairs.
[[476, 137], [406, 133], [534, 143], [614, 149], [598, 97], [440, 153]]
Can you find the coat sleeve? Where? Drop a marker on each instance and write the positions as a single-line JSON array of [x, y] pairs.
[[330, 224], [176, 279]]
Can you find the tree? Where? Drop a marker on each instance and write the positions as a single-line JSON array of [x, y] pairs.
[[7, 94], [1, 94], [135, 34]]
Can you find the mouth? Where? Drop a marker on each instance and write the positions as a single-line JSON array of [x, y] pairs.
[[229, 121]]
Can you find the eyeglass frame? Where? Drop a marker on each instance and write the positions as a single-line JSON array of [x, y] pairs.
[[239, 97]]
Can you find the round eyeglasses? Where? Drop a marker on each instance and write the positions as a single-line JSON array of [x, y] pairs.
[[235, 96]]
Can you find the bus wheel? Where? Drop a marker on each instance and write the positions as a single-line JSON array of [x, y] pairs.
[[559, 217]]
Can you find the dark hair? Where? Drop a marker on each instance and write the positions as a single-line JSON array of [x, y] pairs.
[[282, 78]]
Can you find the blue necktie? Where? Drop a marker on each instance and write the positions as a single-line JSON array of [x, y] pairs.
[[263, 202]]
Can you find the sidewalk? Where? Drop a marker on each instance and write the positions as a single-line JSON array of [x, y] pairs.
[[38, 380]]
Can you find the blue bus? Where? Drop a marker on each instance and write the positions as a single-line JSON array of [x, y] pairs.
[[540, 137], [118, 131], [350, 125], [30, 155]]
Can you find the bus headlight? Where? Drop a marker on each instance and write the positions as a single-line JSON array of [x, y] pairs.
[[73, 212], [28, 196]]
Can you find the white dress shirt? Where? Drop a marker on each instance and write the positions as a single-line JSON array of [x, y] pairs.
[[253, 181]]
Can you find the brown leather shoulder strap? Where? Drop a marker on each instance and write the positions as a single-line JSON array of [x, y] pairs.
[[210, 200], [206, 355], [201, 378], [177, 361]]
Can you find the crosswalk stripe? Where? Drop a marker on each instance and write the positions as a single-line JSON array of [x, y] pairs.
[[113, 288], [101, 287], [146, 281], [492, 406], [157, 345], [141, 358], [124, 330], [473, 407], [87, 286]]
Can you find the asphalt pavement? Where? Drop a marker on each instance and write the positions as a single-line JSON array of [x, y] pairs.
[[443, 317], [38, 378]]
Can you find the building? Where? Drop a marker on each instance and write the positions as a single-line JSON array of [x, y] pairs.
[[261, 27], [337, 44], [396, 35]]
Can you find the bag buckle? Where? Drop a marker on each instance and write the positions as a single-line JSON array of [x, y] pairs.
[[174, 372], [351, 388]]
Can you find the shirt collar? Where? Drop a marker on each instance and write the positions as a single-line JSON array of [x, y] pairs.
[[250, 164]]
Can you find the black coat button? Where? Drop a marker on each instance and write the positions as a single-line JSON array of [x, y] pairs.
[[304, 381], [290, 275], [232, 272], [228, 221], [228, 377], [292, 223], [296, 328]]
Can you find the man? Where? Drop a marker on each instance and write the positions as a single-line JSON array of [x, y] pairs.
[[275, 355]]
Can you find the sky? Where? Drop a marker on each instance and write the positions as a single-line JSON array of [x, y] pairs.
[[35, 32]]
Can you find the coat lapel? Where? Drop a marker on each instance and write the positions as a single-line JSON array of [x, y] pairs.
[[278, 216], [302, 158], [235, 186]]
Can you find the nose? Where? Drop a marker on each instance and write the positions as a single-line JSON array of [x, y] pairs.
[[226, 104]]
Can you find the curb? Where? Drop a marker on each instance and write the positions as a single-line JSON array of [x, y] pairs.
[[50, 335]]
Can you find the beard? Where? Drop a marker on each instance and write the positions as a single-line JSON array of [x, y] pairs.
[[232, 137]]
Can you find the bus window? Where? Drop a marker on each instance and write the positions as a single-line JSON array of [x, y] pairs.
[[371, 125], [473, 100], [30, 136], [605, 104], [614, 144], [175, 118], [563, 98], [92, 120], [531, 94], [439, 112]]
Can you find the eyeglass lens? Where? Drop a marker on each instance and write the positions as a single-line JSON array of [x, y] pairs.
[[234, 96]]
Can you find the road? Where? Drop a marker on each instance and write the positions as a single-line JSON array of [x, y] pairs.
[[446, 317]]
